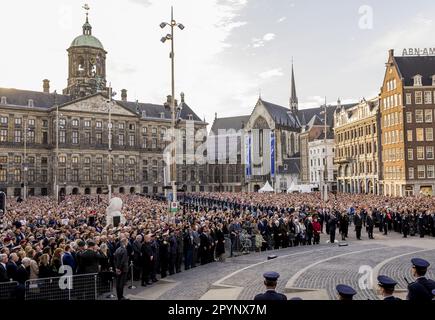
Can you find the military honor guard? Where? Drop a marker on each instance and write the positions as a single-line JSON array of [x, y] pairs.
[[345, 292], [270, 281], [421, 289], [386, 288]]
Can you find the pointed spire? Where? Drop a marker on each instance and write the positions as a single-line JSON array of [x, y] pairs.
[[293, 96]]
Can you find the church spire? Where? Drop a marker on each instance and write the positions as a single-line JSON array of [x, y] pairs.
[[293, 96]]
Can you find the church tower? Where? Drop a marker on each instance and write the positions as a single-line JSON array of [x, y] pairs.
[[293, 96], [86, 64]]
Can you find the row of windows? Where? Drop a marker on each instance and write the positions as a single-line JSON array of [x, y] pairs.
[[391, 85], [422, 172], [393, 136], [420, 116], [392, 101], [393, 172], [355, 150], [392, 154], [17, 175], [357, 132], [392, 119], [420, 97], [421, 134], [421, 154], [363, 167], [18, 160]]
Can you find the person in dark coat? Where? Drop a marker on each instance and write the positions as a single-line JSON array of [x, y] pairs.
[[172, 251], [89, 260], [220, 243], [188, 247], [204, 246], [3, 269], [137, 259], [332, 226], [270, 281], [370, 224], [164, 254], [146, 260], [358, 225], [121, 268], [344, 226], [12, 266], [179, 253], [405, 225], [386, 288], [309, 230], [421, 289]]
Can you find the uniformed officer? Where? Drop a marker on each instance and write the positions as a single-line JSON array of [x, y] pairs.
[[433, 294], [270, 281], [386, 287], [421, 289], [345, 292]]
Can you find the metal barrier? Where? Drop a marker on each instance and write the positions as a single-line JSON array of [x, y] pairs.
[[77, 287], [8, 290]]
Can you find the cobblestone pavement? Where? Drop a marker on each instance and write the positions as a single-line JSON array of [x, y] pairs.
[[319, 267]]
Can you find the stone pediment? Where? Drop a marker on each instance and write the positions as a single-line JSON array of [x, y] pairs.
[[97, 104]]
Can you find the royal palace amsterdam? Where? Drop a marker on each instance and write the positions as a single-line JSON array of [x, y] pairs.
[[60, 142]]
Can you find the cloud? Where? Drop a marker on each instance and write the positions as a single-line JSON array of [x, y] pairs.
[[282, 19], [277, 72], [145, 3], [260, 42]]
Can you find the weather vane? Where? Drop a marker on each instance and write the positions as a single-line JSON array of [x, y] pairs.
[[87, 8]]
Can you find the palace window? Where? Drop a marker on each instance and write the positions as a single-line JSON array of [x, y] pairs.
[[17, 175], [17, 136], [99, 138], [87, 123], [75, 122], [75, 175], [75, 137], [62, 136], [121, 139], [429, 134], [420, 153], [421, 172], [4, 120], [418, 97], [87, 174], [31, 122], [411, 173], [419, 116], [3, 175], [409, 135], [430, 171], [410, 154], [419, 132], [3, 135], [429, 153], [62, 159], [98, 124], [121, 126], [428, 97], [428, 115], [18, 121], [131, 140]]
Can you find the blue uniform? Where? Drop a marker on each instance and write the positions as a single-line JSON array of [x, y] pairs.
[[270, 295]]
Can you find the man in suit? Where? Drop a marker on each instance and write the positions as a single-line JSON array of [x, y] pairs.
[[89, 260], [121, 268], [421, 289], [358, 225], [270, 281], [344, 226], [370, 225], [3, 271], [386, 288], [345, 292], [332, 226], [12, 266]]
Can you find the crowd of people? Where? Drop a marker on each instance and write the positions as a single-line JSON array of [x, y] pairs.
[[40, 237]]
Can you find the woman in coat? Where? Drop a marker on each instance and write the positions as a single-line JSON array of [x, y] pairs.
[[220, 243]]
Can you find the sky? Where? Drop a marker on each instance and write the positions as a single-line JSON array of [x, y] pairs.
[[229, 53]]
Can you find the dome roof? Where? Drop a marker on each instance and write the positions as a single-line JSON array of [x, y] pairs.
[[87, 40]]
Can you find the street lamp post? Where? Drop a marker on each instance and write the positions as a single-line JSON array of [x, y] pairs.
[[109, 174], [25, 160], [325, 166], [170, 37]]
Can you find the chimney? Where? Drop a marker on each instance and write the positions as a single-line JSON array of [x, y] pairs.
[[391, 52], [182, 97], [46, 86], [124, 95]]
